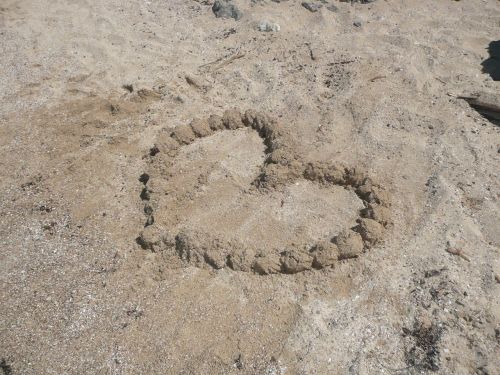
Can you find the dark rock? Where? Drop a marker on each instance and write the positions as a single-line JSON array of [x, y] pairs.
[[225, 9], [312, 7]]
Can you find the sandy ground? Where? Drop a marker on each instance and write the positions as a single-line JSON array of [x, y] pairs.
[[81, 296]]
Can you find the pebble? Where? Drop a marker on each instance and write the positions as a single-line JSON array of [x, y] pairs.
[[357, 23], [267, 26]]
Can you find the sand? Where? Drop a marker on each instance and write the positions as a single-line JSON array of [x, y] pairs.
[[187, 194]]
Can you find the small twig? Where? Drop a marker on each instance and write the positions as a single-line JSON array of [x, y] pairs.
[[377, 78], [229, 60], [342, 62], [211, 63], [223, 63], [311, 53], [458, 252]]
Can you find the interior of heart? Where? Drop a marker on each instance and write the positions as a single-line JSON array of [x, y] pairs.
[[209, 189]]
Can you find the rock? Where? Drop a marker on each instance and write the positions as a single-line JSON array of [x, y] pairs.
[[370, 230], [349, 244], [325, 254], [312, 7], [357, 23], [201, 128], [232, 119], [183, 134], [145, 194], [332, 8], [225, 9], [267, 26], [144, 178]]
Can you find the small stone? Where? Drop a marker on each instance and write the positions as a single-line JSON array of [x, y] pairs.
[[183, 134], [312, 7], [267, 26], [332, 8], [145, 194], [225, 9], [349, 243], [144, 178], [357, 23]]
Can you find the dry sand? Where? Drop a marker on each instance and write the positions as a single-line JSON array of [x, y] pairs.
[[236, 272]]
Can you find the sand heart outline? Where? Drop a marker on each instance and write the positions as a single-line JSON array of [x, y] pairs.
[[282, 166]]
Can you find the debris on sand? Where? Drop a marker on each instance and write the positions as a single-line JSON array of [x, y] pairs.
[[423, 345]]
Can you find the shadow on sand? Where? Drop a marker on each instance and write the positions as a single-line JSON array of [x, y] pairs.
[[491, 66]]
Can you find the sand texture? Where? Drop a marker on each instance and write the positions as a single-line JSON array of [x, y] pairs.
[[249, 187]]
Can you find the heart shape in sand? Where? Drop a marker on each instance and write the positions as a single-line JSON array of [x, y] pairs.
[[281, 168]]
